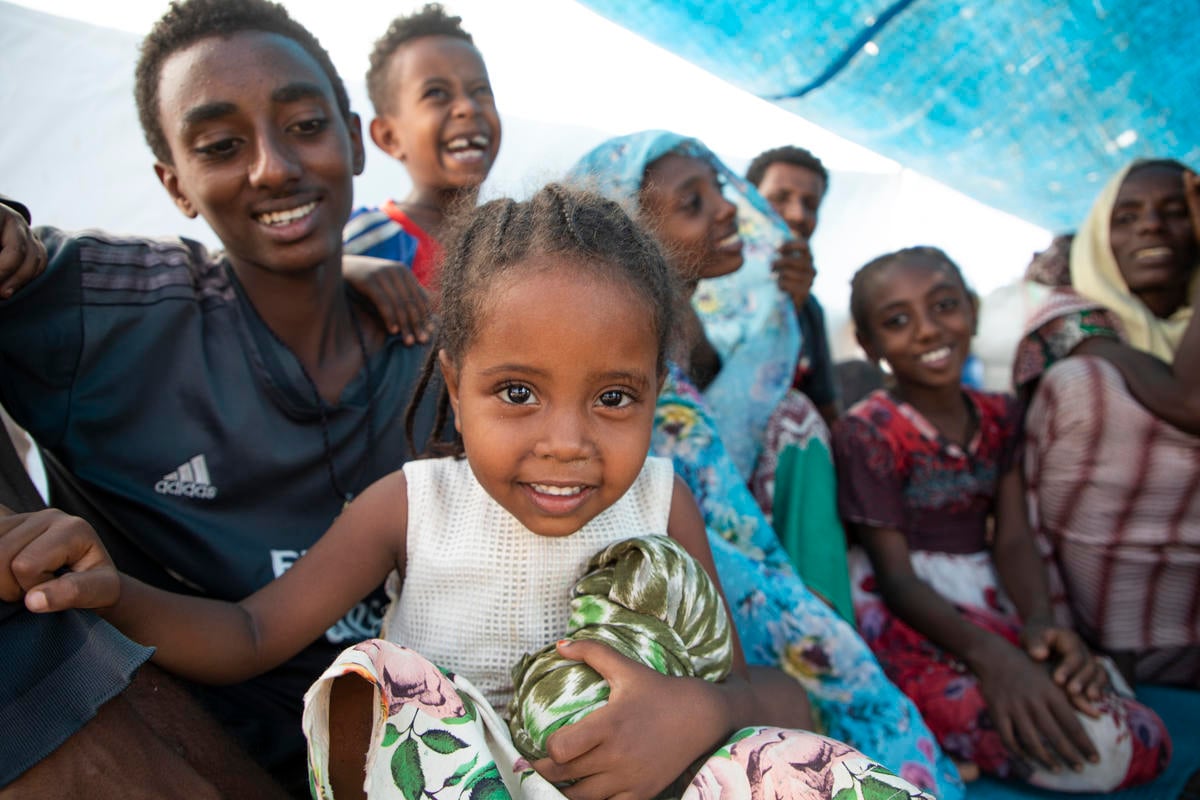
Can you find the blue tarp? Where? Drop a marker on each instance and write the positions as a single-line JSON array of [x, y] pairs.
[[1026, 105]]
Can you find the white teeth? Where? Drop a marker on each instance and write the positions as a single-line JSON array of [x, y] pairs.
[[557, 491], [458, 144], [480, 141], [288, 215], [935, 355], [1154, 252], [730, 240]]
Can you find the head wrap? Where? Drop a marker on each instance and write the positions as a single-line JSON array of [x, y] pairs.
[[750, 322], [1096, 275]]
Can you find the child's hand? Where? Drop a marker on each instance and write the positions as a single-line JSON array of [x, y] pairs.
[[33, 547], [793, 268], [1033, 716], [676, 719], [22, 255], [398, 298], [1076, 670]]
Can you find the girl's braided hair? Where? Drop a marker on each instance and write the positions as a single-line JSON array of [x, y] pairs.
[[580, 227]]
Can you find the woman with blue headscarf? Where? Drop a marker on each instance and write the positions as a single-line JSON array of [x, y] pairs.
[[720, 235]]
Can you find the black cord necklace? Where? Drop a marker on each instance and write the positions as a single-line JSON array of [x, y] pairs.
[[344, 494]]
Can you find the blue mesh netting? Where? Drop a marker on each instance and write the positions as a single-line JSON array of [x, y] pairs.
[[1026, 105]]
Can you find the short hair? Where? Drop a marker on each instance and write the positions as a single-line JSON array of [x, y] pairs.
[[431, 20], [189, 21], [788, 154], [498, 237], [858, 291]]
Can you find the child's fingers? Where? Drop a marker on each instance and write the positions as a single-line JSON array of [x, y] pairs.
[[16, 532], [97, 588], [35, 546], [1062, 728], [1032, 745], [1005, 726], [1083, 703], [411, 304]]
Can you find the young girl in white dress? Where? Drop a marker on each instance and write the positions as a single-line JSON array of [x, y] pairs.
[[556, 316]]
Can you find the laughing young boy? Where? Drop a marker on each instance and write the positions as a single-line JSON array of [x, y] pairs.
[[435, 114]]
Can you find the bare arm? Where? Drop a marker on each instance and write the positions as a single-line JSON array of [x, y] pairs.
[[1023, 576], [764, 695], [201, 639], [1170, 392]]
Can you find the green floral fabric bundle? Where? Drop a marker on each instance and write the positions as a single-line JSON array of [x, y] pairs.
[[648, 599]]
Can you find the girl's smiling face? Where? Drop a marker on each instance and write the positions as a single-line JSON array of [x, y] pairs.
[[554, 397], [920, 320], [683, 205]]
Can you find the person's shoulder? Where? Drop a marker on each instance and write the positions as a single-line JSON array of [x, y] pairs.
[[116, 268], [373, 232]]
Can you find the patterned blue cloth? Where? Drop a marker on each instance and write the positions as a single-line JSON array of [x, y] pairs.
[[780, 622], [750, 322]]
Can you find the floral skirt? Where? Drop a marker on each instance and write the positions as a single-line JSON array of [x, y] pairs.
[[435, 737], [1132, 741]]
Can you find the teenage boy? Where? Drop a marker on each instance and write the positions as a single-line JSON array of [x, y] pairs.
[[217, 411]]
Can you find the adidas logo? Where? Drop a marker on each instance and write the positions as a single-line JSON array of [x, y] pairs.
[[189, 479]]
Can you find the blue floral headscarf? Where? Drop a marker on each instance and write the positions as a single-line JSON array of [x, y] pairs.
[[749, 321]]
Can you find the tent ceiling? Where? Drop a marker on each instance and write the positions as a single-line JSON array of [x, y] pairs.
[[1025, 105]]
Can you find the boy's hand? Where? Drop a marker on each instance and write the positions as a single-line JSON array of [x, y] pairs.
[[1076, 670], [35, 547], [1033, 716], [399, 299], [22, 255], [676, 719], [793, 268]]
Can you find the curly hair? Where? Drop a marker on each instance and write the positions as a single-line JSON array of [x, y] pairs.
[[923, 253], [590, 232], [431, 20], [189, 21], [788, 154]]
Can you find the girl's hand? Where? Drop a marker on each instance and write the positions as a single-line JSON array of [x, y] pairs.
[[34, 547], [1077, 671], [1033, 716], [793, 268], [22, 255], [398, 298], [676, 719]]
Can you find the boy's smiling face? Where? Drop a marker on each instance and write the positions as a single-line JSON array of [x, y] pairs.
[[259, 149], [442, 123]]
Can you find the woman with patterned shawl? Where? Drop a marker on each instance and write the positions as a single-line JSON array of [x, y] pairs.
[[1110, 367], [782, 625]]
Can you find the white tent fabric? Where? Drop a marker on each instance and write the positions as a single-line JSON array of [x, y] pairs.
[[72, 148]]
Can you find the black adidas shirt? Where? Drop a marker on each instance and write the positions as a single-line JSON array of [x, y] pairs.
[[142, 368]]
